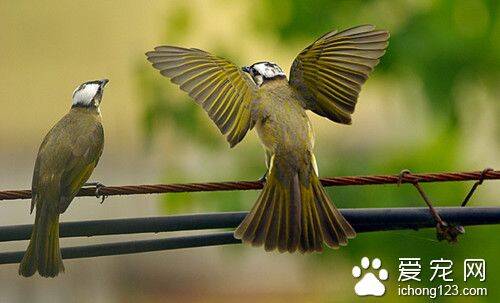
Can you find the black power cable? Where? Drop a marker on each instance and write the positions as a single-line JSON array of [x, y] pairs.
[[363, 220]]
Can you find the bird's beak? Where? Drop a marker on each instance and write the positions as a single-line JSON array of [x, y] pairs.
[[104, 82], [246, 69]]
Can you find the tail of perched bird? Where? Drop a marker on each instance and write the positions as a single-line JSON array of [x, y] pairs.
[[294, 213], [43, 253]]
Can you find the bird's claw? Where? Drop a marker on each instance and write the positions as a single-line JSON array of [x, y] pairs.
[[98, 186], [98, 194]]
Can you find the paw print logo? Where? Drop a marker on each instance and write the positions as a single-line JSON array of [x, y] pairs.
[[370, 284]]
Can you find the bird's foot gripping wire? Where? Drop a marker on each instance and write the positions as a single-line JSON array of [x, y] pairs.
[[474, 187], [98, 186], [444, 231]]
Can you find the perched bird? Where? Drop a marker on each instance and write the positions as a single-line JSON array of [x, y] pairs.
[[66, 158], [293, 211]]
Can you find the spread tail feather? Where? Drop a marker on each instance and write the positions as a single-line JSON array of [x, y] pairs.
[[292, 215], [43, 253]]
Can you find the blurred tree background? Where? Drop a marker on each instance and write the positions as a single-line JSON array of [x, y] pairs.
[[429, 106]]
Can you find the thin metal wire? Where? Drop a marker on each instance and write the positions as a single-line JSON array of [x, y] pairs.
[[252, 185], [476, 184], [362, 219]]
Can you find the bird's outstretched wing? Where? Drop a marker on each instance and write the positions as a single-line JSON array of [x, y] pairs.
[[329, 73], [219, 86]]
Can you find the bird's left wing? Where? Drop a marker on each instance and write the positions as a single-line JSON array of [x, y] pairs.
[[84, 155], [329, 73], [219, 86], [36, 176]]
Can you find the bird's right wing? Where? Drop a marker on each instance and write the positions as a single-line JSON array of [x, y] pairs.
[[328, 74], [220, 87]]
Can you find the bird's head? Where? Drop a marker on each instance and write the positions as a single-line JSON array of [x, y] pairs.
[[264, 71], [89, 94]]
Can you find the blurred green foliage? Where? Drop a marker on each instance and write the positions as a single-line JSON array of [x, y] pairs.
[[441, 45], [438, 43]]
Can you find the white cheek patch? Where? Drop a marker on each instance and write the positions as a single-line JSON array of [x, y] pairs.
[[269, 70], [258, 80], [84, 96]]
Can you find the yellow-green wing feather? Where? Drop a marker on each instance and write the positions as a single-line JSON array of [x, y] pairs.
[[86, 152], [77, 177], [329, 73], [36, 177], [220, 87]]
